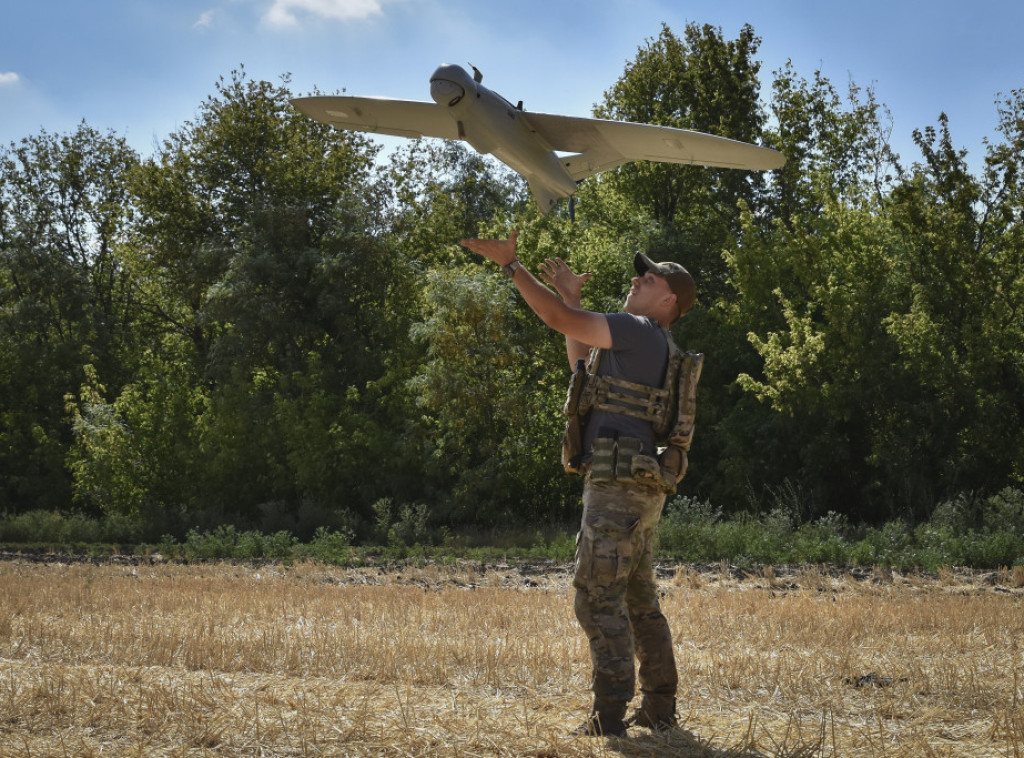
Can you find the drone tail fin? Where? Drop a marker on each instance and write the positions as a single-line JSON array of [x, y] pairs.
[[546, 197]]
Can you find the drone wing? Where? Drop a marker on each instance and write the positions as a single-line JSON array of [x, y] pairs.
[[599, 144], [380, 115]]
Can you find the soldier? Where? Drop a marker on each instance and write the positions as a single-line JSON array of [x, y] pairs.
[[625, 482]]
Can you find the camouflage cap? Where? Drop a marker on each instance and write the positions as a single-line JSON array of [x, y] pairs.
[[678, 278]]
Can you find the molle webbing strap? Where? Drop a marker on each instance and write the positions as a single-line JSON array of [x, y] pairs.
[[630, 398]]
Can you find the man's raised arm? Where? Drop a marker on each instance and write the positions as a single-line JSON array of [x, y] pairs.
[[582, 329]]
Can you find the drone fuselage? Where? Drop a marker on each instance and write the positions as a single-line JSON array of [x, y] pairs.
[[492, 125]]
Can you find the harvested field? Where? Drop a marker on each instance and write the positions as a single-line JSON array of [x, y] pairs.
[[225, 660]]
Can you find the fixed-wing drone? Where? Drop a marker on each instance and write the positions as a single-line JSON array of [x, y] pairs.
[[553, 153]]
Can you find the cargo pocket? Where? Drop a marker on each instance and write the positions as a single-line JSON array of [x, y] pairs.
[[604, 552]]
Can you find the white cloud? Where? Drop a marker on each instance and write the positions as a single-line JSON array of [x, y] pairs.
[[205, 20], [8, 77], [283, 12]]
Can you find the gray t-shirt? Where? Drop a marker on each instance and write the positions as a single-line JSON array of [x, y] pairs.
[[639, 353]]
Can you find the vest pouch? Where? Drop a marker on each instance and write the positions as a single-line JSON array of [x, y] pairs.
[[674, 463], [602, 465], [645, 469], [577, 384], [574, 411], [627, 449], [621, 460]]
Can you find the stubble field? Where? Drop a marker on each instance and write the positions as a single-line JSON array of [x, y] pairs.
[[226, 660]]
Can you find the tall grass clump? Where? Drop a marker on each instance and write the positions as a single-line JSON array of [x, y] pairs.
[[226, 543], [63, 530]]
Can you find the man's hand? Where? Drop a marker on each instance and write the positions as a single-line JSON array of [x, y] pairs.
[[566, 282], [502, 252]]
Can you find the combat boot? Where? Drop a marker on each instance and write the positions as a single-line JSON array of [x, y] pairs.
[[606, 719], [656, 716], [595, 726]]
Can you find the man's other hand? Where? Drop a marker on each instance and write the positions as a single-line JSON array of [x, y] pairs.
[[502, 252]]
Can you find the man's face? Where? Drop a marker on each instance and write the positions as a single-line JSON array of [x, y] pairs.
[[646, 294]]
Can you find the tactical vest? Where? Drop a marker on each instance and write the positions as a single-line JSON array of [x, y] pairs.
[[670, 409]]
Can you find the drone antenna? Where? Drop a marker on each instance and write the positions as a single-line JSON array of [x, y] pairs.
[[477, 76]]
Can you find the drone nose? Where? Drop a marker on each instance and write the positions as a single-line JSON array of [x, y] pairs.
[[446, 92]]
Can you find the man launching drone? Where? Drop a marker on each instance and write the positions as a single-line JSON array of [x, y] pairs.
[[630, 410]]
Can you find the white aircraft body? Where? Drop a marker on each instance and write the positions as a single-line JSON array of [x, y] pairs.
[[553, 153]]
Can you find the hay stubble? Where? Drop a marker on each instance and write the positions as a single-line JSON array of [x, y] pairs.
[[231, 660]]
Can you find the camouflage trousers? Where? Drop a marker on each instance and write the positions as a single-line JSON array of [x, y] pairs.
[[617, 599]]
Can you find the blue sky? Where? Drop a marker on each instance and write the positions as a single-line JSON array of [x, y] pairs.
[[142, 67]]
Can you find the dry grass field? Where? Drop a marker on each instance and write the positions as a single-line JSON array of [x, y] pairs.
[[223, 660]]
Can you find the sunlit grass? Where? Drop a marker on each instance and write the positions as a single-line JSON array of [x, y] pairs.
[[455, 661]]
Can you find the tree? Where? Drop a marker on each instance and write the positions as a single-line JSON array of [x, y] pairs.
[[887, 324], [442, 192], [490, 420], [249, 162], [266, 289], [960, 334], [66, 299], [830, 370], [705, 83], [834, 150]]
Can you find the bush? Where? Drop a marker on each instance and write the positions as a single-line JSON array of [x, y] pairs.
[[280, 546], [690, 530], [328, 547], [560, 546], [1004, 512], [227, 543], [51, 527], [737, 540], [249, 545], [822, 541], [685, 528], [884, 547], [411, 527], [206, 546]]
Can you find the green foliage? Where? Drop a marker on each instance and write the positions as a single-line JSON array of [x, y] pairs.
[[881, 316], [486, 370], [690, 530], [685, 527], [72, 529], [267, 388], [137, 456], [50, 527], [228, 543], [410, 528], [824, 540], [560, 547], [442, 192], [694, 531], [1004, 511], [64, 298], [328, 547], [886, 546]]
